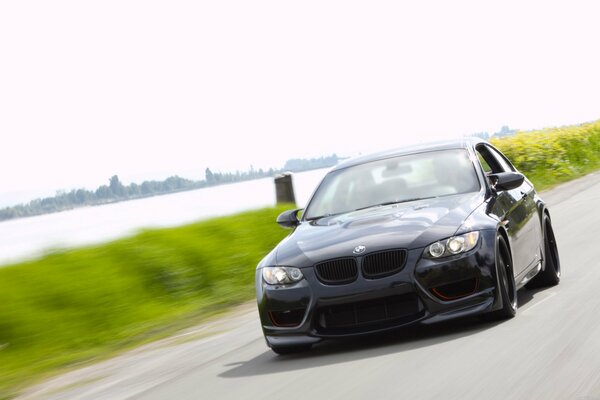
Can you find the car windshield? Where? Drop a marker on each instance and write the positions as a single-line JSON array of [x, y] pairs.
[[394, 180]]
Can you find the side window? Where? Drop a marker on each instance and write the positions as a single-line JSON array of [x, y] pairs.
[[486, 167], [489, 162], [502, 161], [492, 160]]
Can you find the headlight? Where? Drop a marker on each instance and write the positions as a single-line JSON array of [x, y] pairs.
[[452, 246], [281, 275]]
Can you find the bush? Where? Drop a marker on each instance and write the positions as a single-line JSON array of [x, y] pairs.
[[555, 155]]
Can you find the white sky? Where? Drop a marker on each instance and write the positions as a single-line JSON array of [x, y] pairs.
[[145, 89]]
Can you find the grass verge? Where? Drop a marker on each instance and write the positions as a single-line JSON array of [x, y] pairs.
[[71, 307], [552, 156]]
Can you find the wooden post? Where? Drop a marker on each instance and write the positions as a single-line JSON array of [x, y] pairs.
[[284, 189]]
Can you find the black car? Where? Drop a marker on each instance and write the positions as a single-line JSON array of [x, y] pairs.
[[416, 235]]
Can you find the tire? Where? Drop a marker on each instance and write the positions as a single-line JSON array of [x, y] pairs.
[[550, 274], [506, 283], [283, 350]]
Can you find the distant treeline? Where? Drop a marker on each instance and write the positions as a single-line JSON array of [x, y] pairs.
[[117, 191], [503, 132]]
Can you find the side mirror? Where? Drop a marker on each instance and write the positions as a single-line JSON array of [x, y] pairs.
[[289, 218], [506, 180]]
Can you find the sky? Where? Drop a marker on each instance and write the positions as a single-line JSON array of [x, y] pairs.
[[147, 89]]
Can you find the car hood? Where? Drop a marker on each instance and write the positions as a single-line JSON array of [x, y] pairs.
[[407, 225]]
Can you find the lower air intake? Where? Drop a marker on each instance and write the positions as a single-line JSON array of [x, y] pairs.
[[368, 315]]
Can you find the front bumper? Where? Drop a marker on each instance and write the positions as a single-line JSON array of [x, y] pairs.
[[424, 291]]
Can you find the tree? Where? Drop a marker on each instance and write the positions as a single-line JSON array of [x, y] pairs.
[[82, 196], [116, 187], [209, 176], [103, 192]]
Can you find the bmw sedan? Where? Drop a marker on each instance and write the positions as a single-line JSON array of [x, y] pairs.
[[415, 235]]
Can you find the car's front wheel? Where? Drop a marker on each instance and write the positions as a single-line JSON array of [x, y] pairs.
[[506, 282], [550, 274]]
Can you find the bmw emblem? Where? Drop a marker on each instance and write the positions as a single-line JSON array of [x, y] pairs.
[[359, 249]]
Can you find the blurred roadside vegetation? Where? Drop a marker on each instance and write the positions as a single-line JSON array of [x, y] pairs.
[[70, 307], [552, 156], [75, 306]]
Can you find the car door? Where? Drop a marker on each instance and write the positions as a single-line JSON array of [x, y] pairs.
[[517, 210]]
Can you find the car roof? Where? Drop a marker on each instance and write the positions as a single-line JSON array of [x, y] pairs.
[[463, 143]]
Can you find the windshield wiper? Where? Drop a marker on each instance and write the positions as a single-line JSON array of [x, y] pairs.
[[322, 216], [387, 203]]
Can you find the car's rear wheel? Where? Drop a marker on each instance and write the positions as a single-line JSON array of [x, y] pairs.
[[283, 350], [506, 282], [550, 274]]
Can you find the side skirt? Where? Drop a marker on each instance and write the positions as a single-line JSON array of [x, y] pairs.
[[528, 274]]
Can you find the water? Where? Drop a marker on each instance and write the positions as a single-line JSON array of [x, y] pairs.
[[30, 237]]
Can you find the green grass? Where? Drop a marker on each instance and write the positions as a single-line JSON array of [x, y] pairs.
[[552, 156], [74, 306]]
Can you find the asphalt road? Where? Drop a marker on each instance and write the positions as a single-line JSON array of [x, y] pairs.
[[550, 350]]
